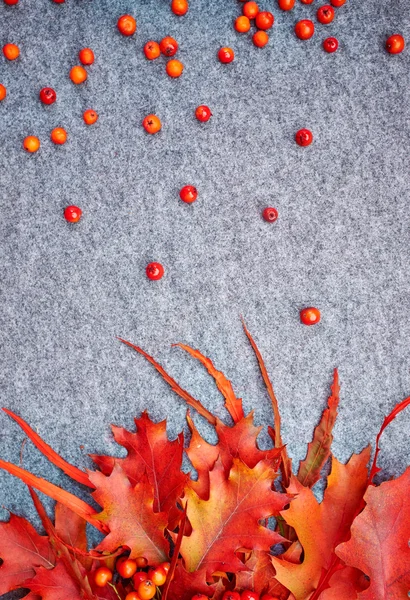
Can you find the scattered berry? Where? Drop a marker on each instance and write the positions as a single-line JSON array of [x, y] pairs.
[[264, 20], [72, 214], [142, 562], [152, 50], [126, 567], [330, 44], [226, 55], [303, 137], [11, 51], [48, 95], [157, 576], [270, 214], [168, 46], [127, 25], [31, 143], [141, 576], [286, 4], [325, 14], [310, 316], [78, 75], [179, 7], [337, 3], [395, 44], [59, 1], [3, 92], [174, 68], [151, 124], [250, 9], [249, 595], [260, 38], [102, 575], [231, 596], [90, 116], [304, 29], [58, 136], [242, 24], [147, 589], [203, 113], [86, 56], [306, 1], [11, 2], [188, 194]]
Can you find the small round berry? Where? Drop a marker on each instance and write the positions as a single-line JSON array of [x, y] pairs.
[[58, 136], [174, 68], [250, 9], [231, 596], [126, 567], [249, 595], [151, 124], [310, 316], [90, 116], [48, 95], [147, 589], [140, 576], [260, 38], [86, 56], [78, 74], [226, 55], [141, 562], [132, 596], [11, 2], [199, 597], [203, 113], [337, 3], [306, 1], [330, 44], [325, 14], [127, 25], [72, 214], [188, 194], [242, 24], [59, 1], [264, 20], [3, 92], [31, 143], [286, 4], [270, 214], [103, 575], [304, 29], [303, 137], [166, 566], [151, 50], [168, 46], [11, 51], [157, 576], [395, 44], [179, 7]]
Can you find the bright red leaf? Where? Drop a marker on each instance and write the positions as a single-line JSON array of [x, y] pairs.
[[54, 584]]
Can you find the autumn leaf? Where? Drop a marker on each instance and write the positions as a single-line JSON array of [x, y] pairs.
[[320, 527], [261, 576], [230, 519], [185, 585], [54, 584], [203, 457], [379, 543], [128, 511], [21, 550], [70, 527]]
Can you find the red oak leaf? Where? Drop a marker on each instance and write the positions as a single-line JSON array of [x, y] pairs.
[[185, 585], [230, 519], [379, 544], [203, 458], [321, 527], [70, 527], [21, 550], [128, 511], [261, 576], [54, 584]]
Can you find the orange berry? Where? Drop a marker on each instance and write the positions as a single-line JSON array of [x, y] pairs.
[[3, 92], [286, 4], [127, 25], [102, 575], [78, 75], [250, 9], [132, 596], [141, 562], [138, 578], [59, 136], [242, 24], [86, 56], [226, 55], [179, 7], [174, 68], [157, 576], [151, 124], [166, 566], [168, 46], [11, 51], [260, 38], [126, 567], [147, 590], [31, 143], [264, 20], [152, 50], [90, 117]]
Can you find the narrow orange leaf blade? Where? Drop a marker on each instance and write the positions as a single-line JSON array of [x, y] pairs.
[[232, 404], [174, 385], [319, 448], [78, 506], [52, 456]]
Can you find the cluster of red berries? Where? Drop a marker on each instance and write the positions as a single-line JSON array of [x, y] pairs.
[[263, 21], [168, 46], [141, 580]]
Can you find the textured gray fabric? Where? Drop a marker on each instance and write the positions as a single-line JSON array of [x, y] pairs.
[[341, 242]]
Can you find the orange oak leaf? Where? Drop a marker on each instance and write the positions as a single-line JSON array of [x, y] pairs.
[[320, 527], [21, 550], [230, 518], [261, 576], [203, 457], [128, 511], [54, 584], [379, 543], [346, 582]]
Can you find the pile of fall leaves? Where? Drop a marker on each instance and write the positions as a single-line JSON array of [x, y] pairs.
[[245, 522]]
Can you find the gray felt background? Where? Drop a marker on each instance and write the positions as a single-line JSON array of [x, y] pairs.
[[341, 242]]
